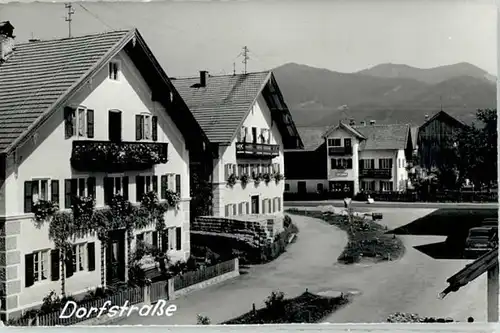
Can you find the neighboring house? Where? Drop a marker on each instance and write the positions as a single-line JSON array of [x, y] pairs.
[[434, 136], [358, 158], [247, 121], [306, 170], [90, 116]]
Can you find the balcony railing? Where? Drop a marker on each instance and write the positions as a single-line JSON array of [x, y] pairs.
[[376, 173], [332, 151], [249, 149], [106, 156]]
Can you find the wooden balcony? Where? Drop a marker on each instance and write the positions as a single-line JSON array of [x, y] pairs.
[[248, 149], [106, 156], [376, 173], [339, 151]]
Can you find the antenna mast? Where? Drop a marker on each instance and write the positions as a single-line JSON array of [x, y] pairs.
[[234, 68], [245, 57], [68, 18]]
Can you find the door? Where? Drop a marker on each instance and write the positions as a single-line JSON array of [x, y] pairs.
[[301, 187], [254, 134], [115, 257], [255, 204], [115, 126]]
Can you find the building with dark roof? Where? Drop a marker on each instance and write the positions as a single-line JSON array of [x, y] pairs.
[[248, 123], [90, 116], [346, 159], [434, 136]]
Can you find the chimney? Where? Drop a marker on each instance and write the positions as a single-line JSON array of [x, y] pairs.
[[426, 117], [203, 78], [363, 123], [352, 122], [372, 122], [6, 40]]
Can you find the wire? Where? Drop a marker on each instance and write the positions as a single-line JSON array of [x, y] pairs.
[[96, 17]]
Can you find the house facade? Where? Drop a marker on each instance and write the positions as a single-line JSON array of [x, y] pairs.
[[247, 120], [89, 125], [359, 158]]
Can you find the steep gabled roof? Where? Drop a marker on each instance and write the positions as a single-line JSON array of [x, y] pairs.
[[40, 77], [384, 137], [348, 128], [312, 137], [446, 116], [221, 106]]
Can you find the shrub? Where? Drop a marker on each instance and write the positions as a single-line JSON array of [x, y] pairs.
[[231, 180], [244, 179], [202, 320], [287, 220], [43, 209]]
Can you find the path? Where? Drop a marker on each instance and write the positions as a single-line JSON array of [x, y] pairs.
[[305, 265]]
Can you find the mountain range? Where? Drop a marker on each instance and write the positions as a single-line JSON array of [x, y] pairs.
[[386, 93]]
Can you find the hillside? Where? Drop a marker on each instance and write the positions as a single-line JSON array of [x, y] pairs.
[[319, 96]]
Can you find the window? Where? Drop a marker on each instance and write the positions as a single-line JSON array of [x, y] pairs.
[[114, 69], [171, 182], [229, 169], [37, 267], [334, 142], [385, 163], [78, 122], [341, 163], [347, 142], [386, 186], [368, 186], [287, 187], [115, 186], [367, 164], [40, 189], [146, 127], [79, 257], [145, 184]]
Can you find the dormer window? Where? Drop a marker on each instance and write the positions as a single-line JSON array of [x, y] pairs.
[[114, 70]]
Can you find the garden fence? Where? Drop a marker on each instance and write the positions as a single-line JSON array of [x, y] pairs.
[[202, 274]]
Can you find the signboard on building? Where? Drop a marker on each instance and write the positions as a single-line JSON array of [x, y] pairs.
[[341, 174]]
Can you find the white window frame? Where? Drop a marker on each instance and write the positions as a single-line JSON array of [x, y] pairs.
[[117, 178], [385, 162], [39, 268], [79, 257], [147, 123], [48, 195], [115, 76], [171, 239], [384, 184], [331, 142], [77, 122]]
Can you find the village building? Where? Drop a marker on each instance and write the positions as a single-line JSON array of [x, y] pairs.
[[86, 117]]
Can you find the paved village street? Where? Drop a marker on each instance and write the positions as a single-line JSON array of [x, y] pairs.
[[410, 284]]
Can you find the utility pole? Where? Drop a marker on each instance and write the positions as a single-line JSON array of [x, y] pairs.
[[234, 68], [68, 18], [245, 57]]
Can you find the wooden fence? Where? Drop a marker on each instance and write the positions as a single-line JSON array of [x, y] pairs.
[[132, 295], [190, 278], [158, 290]]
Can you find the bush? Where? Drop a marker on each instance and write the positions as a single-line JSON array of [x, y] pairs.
[[202, 320], [287, 221]]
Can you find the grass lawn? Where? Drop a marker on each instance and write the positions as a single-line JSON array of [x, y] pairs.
[[367, 239]]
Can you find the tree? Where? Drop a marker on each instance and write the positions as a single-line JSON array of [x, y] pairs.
[[475, 150]]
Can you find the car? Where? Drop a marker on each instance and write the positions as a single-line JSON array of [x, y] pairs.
[[481, 240], [490, 222]]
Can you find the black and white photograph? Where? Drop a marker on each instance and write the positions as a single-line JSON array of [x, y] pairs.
[[248, 162]]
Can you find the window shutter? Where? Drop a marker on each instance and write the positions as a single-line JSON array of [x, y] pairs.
[[67, 193], [178, 184], [227, 210], [28, 197], [274, 205], [164, 241], [54, 265], [279, 204], [372, 163], [226, 171], [263, 206], [349, 163], [81, 187], [28, 269], [178, 238], [69, 127], [91, 187], [247, 208], [138, 127], [268, 139], [154, 129], [242, 134], [139, 188], [240, 208], [163, 187], [155, 239], [54, 191], [90, 123], [155, 184], [125, 183], [91, 256], [246, 134], [69, 263]]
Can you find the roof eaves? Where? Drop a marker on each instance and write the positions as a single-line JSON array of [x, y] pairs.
[[263, 84], [71, 90]]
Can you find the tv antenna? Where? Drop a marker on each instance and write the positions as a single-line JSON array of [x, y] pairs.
[[245, 57], [69, 18]]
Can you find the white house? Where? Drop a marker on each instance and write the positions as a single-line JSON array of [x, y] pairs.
[[247, 121], [88, 116], [367, 157]]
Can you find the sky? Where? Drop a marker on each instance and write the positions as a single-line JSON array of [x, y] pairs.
[[343, 36]]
